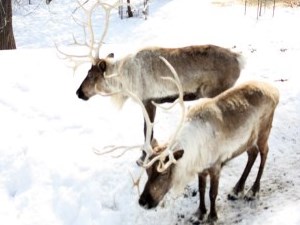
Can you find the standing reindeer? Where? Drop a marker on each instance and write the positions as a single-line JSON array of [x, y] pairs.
[[213, 132], [205, 71]]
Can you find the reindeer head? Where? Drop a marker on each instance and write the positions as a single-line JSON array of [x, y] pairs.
[[95, 81], [95, 78], [159, 182]]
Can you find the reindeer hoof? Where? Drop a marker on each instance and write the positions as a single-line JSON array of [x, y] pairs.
[[251, 196], [233, 196], [212, 218], [199, 216], [194, 221]]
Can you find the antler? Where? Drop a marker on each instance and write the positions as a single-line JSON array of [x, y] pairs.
[[149, 125], [179, 100], [112, 148], [147, 147], [90, 41], [168, 150]]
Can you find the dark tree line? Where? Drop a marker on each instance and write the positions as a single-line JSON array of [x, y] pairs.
[[7, 39]]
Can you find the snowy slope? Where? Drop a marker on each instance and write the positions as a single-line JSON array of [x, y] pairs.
[[49, 173]]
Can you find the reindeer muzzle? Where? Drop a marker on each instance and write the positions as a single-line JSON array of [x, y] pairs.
[[81, 95], [147, 202]]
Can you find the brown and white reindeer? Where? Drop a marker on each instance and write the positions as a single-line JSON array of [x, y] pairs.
[[214, 131], [205, 71]]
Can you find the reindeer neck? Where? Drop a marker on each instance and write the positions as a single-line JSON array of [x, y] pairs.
[[195, 159]]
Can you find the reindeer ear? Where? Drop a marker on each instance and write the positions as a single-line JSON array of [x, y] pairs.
[[178, 154], [110, 55], [102, 65]]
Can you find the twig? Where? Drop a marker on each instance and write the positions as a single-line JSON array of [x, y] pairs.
[[136, 183]]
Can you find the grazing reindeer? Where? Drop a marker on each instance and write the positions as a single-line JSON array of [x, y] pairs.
[[214, 131], [205, 71]]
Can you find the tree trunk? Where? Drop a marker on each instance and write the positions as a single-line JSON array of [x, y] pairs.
[[7, 39], [130, 13]]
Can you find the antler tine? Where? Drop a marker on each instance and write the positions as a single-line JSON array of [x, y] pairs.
[[162, 166], [176, 101], [147, 145], [168, 151], [159, 157], [85, 57], [107, 8], [112, 148], [93, 48], [90, 29], [76, 60], [176, 81], [89, 26], [66, 55]]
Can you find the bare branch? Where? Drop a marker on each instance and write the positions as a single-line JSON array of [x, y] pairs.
[[136, 183]]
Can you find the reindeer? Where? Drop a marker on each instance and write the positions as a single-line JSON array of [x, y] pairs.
[[213, 132], [206, 71]]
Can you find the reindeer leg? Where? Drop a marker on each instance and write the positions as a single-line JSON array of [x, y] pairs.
[[202, 186], [263, 149], [213, 192], [151, 110], [252, 193], [239, 187]]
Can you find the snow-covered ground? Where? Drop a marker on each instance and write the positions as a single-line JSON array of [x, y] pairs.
[[49, 173]]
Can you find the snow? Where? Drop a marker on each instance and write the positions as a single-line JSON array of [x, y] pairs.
[[49, 172]]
